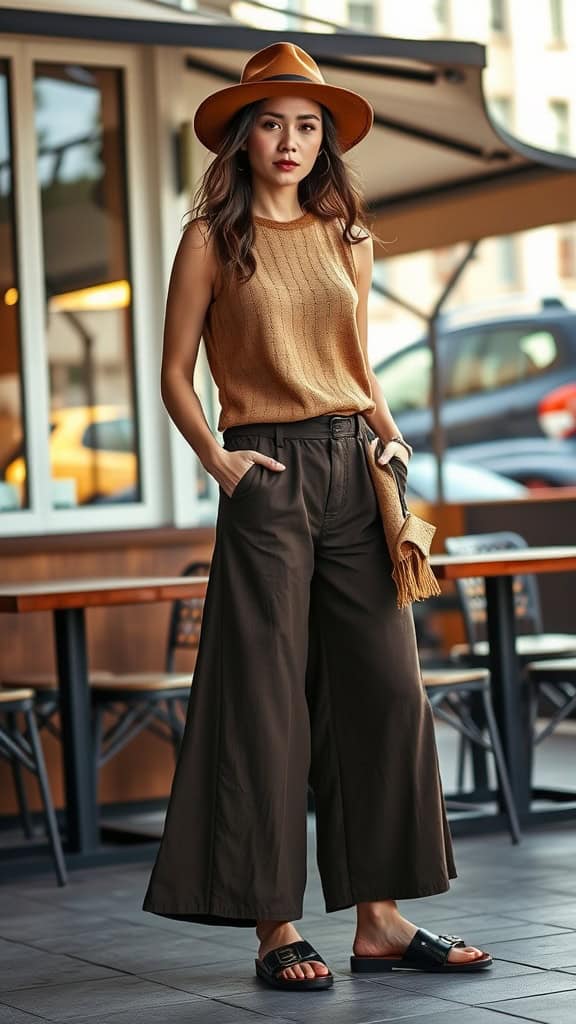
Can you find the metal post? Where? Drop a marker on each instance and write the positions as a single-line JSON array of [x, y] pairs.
[[510, 702], [431, 320], [75, 709]]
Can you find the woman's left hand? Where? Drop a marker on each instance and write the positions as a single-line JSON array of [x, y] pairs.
[[385, 452], [398, 457]]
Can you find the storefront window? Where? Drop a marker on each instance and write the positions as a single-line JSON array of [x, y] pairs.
[[13, 493], [93, 443]]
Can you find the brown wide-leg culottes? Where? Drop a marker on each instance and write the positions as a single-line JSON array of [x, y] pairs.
[[306, 673]]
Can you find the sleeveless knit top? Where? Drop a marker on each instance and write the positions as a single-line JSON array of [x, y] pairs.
[[285, 345]]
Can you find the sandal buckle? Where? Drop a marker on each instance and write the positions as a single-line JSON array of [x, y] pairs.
[[287, 956]]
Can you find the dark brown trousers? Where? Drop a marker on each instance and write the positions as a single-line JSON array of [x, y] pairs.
[[307, 673]]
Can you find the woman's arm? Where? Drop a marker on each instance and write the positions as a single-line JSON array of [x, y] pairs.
[[380, 420], [189, 294]]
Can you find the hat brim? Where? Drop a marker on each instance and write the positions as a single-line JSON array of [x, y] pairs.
[[353, 115]]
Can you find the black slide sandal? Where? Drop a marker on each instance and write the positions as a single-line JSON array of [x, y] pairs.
[[287, 956], [426, 952]]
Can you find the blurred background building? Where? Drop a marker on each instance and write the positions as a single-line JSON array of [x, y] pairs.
[[97, 167], [90, 215]]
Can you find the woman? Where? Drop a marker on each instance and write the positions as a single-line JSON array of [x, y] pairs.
[[307, 671]]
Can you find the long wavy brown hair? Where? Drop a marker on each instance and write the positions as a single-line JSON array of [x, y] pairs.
[[224, 196]]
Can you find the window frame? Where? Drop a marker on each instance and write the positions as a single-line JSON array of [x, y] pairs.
[[560, 113], [557, 23], [140, 146], [501, 30], [373, 16]]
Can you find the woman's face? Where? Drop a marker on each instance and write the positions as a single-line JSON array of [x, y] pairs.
[[286, 128]]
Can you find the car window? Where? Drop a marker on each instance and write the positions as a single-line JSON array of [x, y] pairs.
[[499, 357], [464, 369], [406, 380], [515, 354], [541, 347], [110, 435]]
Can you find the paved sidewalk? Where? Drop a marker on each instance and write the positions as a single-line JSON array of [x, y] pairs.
[[86, 953]]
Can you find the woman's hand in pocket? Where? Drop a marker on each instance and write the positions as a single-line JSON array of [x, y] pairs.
[[232, 466]]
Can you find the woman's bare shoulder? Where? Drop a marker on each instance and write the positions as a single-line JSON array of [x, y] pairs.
[[196, 232], [196, 248]]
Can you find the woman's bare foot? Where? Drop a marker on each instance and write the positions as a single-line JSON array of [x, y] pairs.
[[382, 931], [277, 933]]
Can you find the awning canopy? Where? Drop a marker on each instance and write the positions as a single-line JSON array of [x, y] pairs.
[[436, 169]]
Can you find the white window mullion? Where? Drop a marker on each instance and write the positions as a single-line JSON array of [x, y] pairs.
[[31, 298], [176, 101], [146, 267]]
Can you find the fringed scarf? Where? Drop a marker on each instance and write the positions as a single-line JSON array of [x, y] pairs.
[[408, 536]]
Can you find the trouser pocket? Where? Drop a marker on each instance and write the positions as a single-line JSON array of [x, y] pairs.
[[251, 479], [400, 471]]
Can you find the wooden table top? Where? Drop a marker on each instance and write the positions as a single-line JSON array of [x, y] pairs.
[[49, 595], [504, 563]]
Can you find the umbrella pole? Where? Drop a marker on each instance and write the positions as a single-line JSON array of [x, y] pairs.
[[431, 320]]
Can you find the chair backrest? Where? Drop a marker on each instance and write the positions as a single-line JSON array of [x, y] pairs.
[[471, 590], [185, 618]]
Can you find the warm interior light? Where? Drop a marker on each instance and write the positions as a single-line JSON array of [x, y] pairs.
[[11, 296], [112, 295]]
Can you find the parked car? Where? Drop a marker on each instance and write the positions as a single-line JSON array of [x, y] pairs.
[[93, 446], [461, 482], [532, 461], [505, 383]]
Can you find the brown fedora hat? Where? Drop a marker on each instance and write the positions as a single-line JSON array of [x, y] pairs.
[[278, 70]]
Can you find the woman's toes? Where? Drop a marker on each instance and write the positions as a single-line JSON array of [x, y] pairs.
[[465, 953], [307, 969]]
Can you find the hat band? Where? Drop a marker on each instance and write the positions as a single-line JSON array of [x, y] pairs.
[[288, 78]]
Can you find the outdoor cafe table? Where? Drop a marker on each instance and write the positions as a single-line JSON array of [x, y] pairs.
[[510, 697], [68, 600]]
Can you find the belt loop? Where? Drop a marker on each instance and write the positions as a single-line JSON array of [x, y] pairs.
[[278, 435]]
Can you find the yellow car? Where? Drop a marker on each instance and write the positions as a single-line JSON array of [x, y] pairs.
[[93, 447]]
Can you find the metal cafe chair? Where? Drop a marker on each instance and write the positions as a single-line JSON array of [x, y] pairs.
[[531, 643], [556, 679], [23, 749], [126, 704], [450, 691], [155, 701]]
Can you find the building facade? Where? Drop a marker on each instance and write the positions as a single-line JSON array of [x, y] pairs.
[[96, 174]]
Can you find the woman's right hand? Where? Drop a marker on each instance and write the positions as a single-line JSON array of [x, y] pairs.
[[233, 465]]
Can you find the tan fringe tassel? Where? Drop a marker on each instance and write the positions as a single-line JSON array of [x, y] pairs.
[[414, 579], [408, 537]]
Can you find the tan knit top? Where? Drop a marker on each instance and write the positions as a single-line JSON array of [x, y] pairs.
[[285, 345]]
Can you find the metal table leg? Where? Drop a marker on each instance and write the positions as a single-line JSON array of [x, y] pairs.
[[510, 705], [79, 769]]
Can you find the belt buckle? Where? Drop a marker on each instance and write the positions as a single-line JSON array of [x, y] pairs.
[[338, 425]]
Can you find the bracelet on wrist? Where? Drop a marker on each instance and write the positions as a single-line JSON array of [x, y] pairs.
[[401, 441]]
